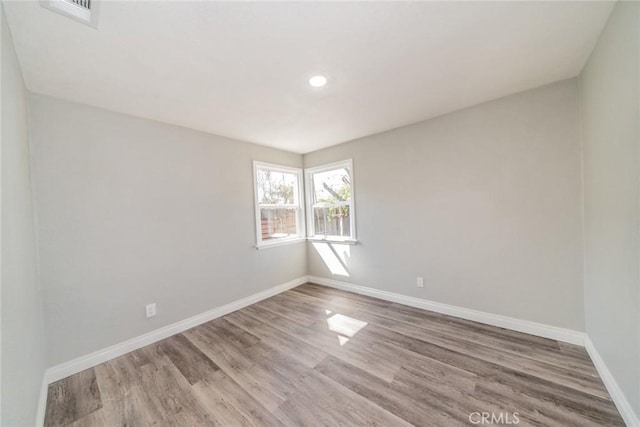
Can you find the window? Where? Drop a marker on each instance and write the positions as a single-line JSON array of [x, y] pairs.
[[279, 215], [330, 197]]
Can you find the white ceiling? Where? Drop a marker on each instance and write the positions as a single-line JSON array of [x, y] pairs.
[[240, 69]]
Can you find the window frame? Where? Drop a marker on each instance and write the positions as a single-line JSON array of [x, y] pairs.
[[309, 190], [298, 196]]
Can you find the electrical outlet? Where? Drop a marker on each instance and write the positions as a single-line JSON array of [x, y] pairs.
[[151, 310], [420, 282]]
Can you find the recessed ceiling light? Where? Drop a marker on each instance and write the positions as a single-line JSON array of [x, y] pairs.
[[318, 81]]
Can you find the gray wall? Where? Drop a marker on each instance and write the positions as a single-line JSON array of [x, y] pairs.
[[483, 203], [23, 352], [133, 211], [610, 95]]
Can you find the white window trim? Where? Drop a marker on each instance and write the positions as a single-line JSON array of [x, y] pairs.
[[351, 240], [298, 196]]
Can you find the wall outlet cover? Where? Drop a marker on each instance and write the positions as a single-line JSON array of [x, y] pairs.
[[151, 310]]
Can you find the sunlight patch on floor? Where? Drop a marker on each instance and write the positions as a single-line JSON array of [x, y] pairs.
[[346, 327]]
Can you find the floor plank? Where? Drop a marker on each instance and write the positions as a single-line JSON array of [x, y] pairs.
[[322, 401], [73, 398], [320, 356], [187, 358]]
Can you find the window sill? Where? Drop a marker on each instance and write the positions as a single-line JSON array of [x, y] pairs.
[[277, 243], [334, 241]]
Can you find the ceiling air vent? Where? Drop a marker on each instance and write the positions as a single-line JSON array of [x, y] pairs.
[[84, 11]]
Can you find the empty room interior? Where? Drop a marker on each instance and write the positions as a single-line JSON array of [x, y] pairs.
[[320, 213]]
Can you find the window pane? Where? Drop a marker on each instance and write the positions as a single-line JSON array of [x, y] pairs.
[[278, 223], [332, 221], [276, 188], [332, 186]]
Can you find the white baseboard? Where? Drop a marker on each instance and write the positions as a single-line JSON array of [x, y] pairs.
[[71, 367], [526, 326], [42, 402], [628, 415]]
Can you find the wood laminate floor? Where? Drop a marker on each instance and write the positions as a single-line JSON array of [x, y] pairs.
[[319, 356]]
